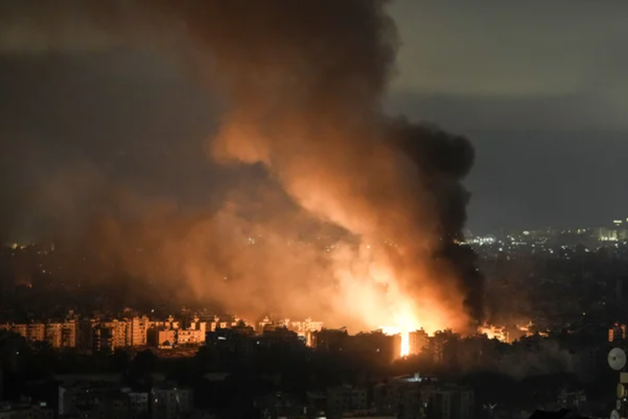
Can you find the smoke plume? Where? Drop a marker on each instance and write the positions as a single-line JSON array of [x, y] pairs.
[[303, 84]]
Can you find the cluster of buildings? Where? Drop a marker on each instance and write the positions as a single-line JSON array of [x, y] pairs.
[[304, 329], [544, 238], [140, 331], [59, 334], [617, 333], [105, 397], [407, 397], [414, 396], [25, 409], [107, 335]]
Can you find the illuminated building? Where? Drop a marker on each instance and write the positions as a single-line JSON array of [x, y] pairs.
[[306, 329], [53, 334], [194, 334], [198, 325], [58, 335], [190, 337], [162, 337], [69, 331], [418, 340], [171, 333], [617, 332], [218, 323], [118, 332], [36, 332], [103, 339], [125, 333], [136, 331]]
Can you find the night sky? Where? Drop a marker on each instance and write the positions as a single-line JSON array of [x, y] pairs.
[[540, 90]]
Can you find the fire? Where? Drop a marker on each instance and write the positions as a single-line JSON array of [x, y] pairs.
[[505, 334], [405, 338], [373, 290], [406, 322]]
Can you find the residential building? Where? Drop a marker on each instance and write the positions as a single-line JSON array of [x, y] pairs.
[[103, 338], [53, 334], [69, 332], [162, 337], [171, 402], [137, 330], [617, 332], [345, 399], [420, 397], [419, 339], [190, 337], [25, 411], [36, 332]]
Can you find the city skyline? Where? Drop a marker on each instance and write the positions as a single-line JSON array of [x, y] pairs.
[[313, 209]]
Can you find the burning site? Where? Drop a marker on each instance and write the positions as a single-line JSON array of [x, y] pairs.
[[346, 214]]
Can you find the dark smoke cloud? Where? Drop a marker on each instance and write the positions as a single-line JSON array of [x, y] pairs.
[[303, 83], [444, 160]]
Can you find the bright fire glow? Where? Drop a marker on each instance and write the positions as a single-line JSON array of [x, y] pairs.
[[502, 334], [405, 338], [406, 321]]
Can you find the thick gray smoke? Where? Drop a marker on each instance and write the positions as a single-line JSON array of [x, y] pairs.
[[304, 83]]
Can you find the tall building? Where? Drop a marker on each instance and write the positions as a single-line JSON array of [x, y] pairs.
[[69, 332], [53, 334], [103, 338], [36, 332], [418, 340], [136, 331]]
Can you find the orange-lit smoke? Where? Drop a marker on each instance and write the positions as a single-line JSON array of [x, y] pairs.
[[303, 84]]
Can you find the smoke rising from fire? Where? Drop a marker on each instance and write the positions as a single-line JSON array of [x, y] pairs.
[[303, 83]]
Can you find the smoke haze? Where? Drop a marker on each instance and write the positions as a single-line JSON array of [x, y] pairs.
[[302, 85]]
